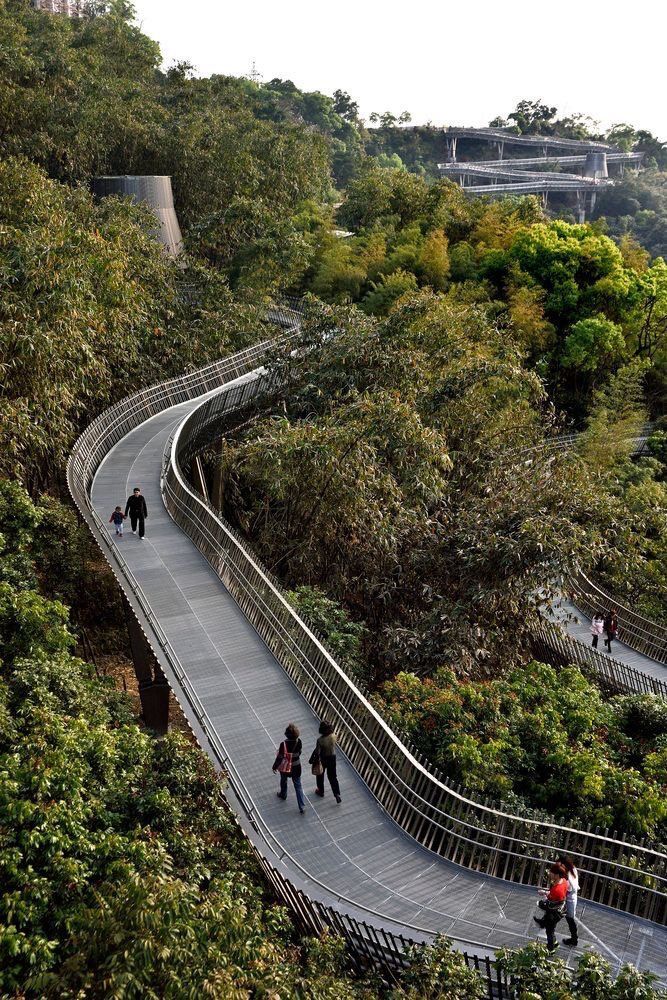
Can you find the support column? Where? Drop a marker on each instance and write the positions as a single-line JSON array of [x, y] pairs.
[[217, 487], [197, 476], [594, 196], [153, 685]]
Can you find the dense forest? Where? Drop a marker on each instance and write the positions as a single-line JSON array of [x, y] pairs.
[[382, 491]]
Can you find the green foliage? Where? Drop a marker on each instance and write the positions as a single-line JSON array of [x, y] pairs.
[[535, 975], [91, 308], [543, 736], [343, 637], [440, 974], [593, 345], [387, 478]]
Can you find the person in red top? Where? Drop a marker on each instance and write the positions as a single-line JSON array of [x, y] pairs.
[[553, 904]]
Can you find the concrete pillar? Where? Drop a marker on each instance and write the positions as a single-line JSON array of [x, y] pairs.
[[153, 685], [596, 165], [153, 191], [217, 486], [197, 476]]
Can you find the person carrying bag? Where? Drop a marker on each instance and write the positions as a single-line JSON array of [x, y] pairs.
[[288, 765], [553, 904], [323, 761]]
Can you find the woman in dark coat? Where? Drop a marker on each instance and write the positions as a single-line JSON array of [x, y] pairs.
[[325, 753], [611, 627], [288, 764]]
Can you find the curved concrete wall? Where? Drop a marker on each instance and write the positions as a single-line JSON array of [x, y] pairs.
[[154, 191]]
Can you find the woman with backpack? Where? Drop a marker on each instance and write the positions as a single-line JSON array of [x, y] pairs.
[[553, 904], [323, 759], [288, 765]]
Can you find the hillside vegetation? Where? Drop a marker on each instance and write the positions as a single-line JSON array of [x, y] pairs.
[[383, 491]]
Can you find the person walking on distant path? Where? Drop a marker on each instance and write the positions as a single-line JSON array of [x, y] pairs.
[[325, 754], [571, 900], [553, 903], [611, 628], [597, 628], [117, 518], [136, 506], [288, 765]]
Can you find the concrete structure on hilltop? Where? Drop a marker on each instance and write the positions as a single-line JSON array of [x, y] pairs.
[[153, 191]]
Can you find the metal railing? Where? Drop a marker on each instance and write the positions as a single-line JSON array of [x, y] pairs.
[[419, 798], [554, 646], [636, 631]]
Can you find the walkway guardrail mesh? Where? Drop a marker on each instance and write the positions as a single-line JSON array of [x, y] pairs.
[[554, 646], [419, 798], [634, 630]]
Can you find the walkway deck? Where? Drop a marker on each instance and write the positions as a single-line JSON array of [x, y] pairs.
[[577, 625], [361, 856]]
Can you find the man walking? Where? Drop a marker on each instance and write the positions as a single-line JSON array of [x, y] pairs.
[[136, 507]]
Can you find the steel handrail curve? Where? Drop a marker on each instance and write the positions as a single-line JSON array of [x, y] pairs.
[[384, 948], [239, 787], [113, 424], [635, 630], [177, 482], [344, 715]]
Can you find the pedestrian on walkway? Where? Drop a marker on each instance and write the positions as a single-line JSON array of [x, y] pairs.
[[597, 628], [136, 506], [571, 900], [117, 518], [553, 903], [288, 765], [325, 754], [611, 627]]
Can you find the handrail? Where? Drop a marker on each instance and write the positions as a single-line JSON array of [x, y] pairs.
[[486, 838], [636, 631], [632, 877]]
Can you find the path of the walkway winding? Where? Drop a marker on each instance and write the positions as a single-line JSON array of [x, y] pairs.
[[576, 624], [366, 863]]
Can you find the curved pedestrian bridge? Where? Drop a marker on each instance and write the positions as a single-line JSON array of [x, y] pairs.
[[366, 863]]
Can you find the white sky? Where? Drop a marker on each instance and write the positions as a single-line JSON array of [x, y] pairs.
[[445, 61]]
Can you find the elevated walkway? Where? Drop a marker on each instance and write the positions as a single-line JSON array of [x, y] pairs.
[[406, 855], [352, 856]]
